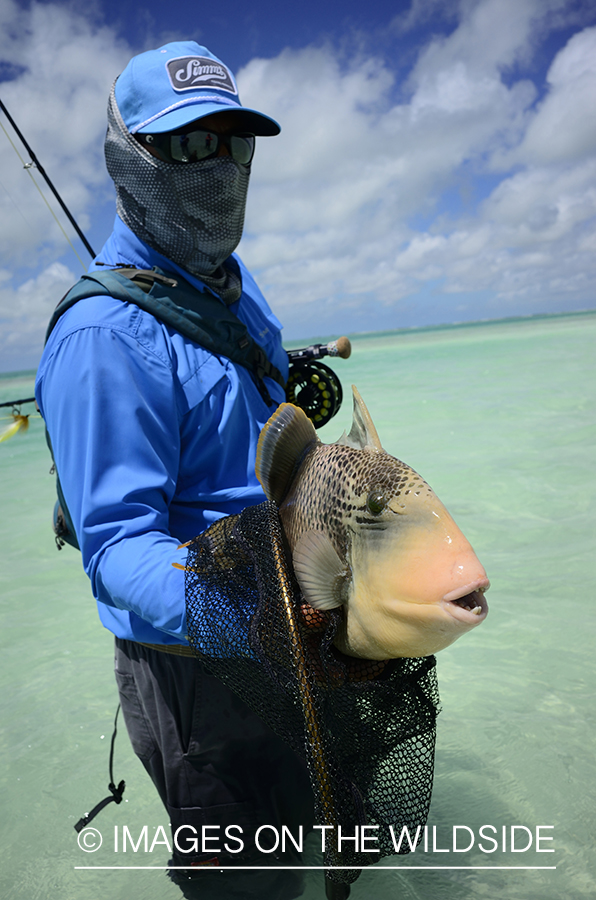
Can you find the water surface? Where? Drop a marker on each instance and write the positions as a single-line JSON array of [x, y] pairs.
[[499, 419]]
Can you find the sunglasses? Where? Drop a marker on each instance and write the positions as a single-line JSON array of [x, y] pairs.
[[193, 146]]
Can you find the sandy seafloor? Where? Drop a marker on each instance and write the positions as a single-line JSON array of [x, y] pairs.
[[500, 419]]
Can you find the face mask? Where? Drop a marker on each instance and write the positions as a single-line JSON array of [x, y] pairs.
[[191, 213]]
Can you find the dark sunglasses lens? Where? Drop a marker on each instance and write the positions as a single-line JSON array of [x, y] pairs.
[[197, 145], [242, 148], [193, 146]]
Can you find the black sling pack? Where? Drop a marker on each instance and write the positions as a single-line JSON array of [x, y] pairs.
[[197, 315]]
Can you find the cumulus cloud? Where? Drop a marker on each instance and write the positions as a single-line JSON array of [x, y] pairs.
[[57, 67], [337, 198], [460, 181], [25, 313], [563, 129], [60, 66]]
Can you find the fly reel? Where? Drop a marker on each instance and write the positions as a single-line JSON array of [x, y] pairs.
[[313, 386]]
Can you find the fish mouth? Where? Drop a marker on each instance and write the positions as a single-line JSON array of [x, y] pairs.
[[468, 603]]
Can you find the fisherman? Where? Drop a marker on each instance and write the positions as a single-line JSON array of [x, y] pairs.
[[154, 438]]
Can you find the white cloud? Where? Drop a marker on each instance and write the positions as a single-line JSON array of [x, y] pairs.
[[563, 129], [356, 202], [421, 12], [61, 65], [25, 313], [335, 198], [491, 36], [64, 67]]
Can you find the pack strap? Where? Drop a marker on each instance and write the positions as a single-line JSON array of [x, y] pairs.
[[197, 315]]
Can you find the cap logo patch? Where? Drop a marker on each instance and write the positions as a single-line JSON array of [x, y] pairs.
[[187, 73]]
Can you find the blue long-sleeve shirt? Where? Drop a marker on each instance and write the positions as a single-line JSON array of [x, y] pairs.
[[154, 439]]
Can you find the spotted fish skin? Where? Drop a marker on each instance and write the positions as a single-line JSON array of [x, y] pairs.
[[342, 478], [368, 534]]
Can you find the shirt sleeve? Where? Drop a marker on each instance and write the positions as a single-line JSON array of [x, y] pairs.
[[109, 402]]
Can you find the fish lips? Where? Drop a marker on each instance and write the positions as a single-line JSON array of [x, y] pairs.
[[468, 604]]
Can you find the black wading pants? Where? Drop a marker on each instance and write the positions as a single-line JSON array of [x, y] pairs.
[[213, 762]]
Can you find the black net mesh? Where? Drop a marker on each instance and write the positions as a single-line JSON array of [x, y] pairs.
[[365, 728]]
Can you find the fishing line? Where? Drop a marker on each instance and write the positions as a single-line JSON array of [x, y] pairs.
[[36, 163], [28, 167], [16, 206]]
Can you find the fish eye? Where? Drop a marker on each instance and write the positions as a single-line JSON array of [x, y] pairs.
[[376, 502]]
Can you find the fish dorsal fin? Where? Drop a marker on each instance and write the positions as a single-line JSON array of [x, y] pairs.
[[320, 572], [283, 443], [363, 434]]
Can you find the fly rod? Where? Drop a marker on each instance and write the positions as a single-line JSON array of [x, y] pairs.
[[43, 173]]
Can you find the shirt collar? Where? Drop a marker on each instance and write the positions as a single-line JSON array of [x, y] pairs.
[[123, 247]]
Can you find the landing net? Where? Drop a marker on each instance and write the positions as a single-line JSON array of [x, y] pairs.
[[366, 729]]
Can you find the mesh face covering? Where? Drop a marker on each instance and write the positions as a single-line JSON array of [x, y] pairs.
[[366, 729], [193, 214]]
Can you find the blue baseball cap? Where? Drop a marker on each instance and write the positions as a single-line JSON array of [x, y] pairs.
[[165, 89]]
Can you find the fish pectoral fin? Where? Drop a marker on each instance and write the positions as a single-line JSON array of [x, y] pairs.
[[319, 570], [363, 434]]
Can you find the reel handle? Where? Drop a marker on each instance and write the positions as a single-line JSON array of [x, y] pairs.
[[341, 347]]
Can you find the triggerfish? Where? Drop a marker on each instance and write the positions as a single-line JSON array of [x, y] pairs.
[[369, 535]]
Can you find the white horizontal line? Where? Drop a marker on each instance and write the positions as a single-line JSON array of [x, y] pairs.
[[307, 868]]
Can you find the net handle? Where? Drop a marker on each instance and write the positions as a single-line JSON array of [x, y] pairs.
[[306, 697]]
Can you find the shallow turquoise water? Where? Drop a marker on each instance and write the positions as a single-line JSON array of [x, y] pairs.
[[499, 418]]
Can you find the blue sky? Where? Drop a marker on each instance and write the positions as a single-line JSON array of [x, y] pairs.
[[437, 161]]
